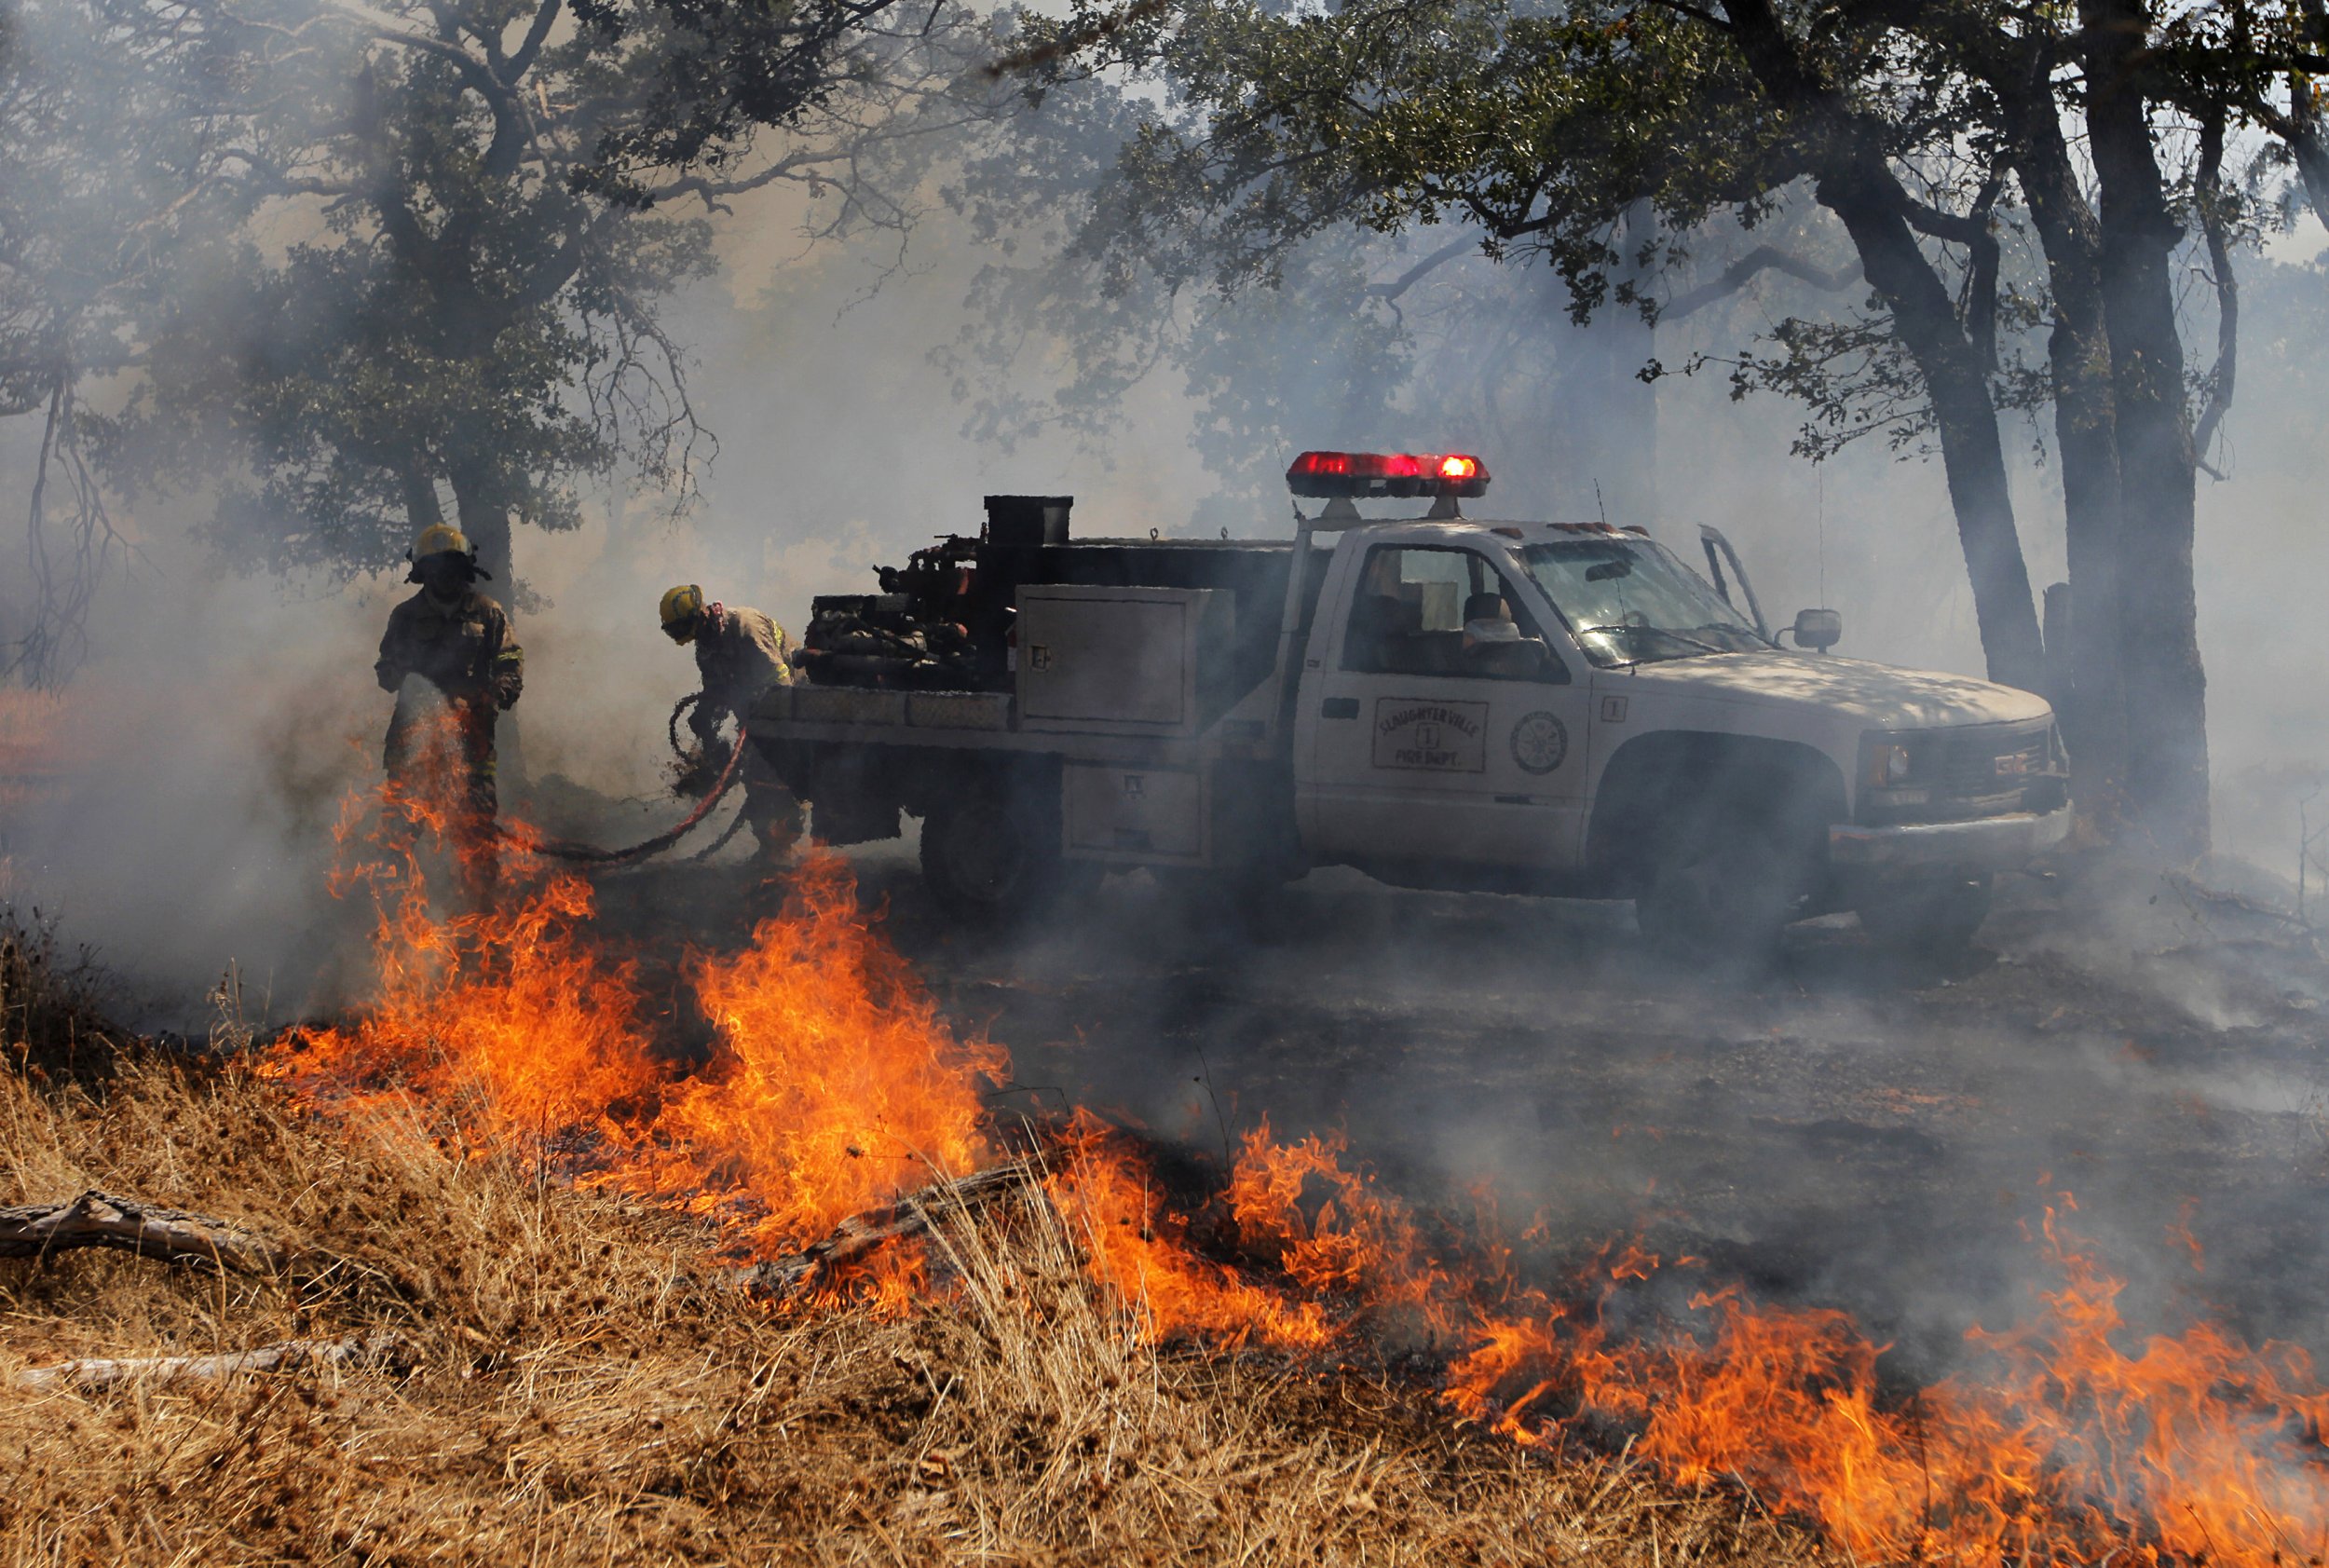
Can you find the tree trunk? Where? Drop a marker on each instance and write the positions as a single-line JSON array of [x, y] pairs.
[[2167, 775], [482, 506], [1865, 195], [1854, 183], [2095, 708], [420, 497], [2309, 141], [481, 503], [2310, 147]]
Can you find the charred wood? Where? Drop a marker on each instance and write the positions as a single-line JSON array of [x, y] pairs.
[[863, 1234], [169, 1235]]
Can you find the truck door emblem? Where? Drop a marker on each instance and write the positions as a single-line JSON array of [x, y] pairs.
[[1613, 710], [1421, 732], [1133, 786], [1540, 741]]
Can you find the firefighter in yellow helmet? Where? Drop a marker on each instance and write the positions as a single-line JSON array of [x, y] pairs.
[[739, 654], [450, 641]]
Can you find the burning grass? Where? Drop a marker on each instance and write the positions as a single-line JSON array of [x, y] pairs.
[[541, 1197], [585, 1393]]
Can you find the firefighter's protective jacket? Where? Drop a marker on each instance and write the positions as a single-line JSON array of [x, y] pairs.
[[463, 649], [740, 654]]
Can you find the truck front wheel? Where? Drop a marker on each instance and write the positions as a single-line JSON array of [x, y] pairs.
[[1935, 919], [989, 856], [1726, 897]]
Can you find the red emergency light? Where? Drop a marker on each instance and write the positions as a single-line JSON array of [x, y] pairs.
[[1367, 474]]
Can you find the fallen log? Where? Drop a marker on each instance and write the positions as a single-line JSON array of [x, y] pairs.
[[353, 1353], [121, 1225], [906, 1215]]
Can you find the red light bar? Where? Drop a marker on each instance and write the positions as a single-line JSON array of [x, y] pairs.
[[1367, 474]]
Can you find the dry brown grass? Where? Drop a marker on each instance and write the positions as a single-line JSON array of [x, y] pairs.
[[585, 1393], [52, 1004]]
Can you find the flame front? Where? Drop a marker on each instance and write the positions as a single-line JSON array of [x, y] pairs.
[[833, 1083]]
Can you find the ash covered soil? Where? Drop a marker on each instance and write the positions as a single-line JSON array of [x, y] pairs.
[[1856, 1129]]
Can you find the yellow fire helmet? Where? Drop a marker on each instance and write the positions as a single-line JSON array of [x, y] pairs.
[[439, 538], [681, 607]]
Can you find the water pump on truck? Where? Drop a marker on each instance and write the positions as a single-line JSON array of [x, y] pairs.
[[1557, 708]]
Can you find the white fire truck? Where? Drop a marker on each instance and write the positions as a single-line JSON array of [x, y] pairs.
[[1554, 708]]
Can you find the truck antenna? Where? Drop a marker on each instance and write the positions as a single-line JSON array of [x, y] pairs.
[[1819, 478], [1597, 500]]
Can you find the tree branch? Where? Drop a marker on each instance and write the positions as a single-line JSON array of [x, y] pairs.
[[1423, 269], [514, 70], [1980, 278], [121, 1225], [1761, 259], [1958, 229], [386, 1352], [1683, 8]]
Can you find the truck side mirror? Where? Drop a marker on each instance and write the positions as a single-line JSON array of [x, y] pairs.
[[1819, 630]]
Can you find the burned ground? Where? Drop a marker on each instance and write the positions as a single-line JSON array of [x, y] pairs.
[[1850, 1132], [1855, 1130]]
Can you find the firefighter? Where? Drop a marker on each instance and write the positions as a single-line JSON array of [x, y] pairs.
[[739, 654], [458, 641]]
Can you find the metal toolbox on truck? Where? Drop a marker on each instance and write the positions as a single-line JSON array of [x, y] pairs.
[[1115, 661], [1138, 814]]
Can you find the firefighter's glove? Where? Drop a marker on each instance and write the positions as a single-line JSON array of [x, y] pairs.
[[508, 683], [700, 769]]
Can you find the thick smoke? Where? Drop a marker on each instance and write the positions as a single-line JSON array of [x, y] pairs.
[[221, 720]]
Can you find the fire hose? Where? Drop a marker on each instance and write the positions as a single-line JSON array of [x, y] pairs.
[[564, 848]]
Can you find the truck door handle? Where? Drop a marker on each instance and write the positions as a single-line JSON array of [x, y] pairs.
[[1339, 707]]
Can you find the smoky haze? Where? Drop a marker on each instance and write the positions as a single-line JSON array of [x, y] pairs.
[[220, 720]]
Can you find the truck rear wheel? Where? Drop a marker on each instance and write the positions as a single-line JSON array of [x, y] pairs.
[[1936, 918], [988, 856]]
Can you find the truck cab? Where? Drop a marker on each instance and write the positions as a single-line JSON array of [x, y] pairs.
[[1439, 701]]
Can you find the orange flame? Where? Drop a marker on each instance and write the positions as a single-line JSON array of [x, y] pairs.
[[512, 1019], [834, 1082], [837, 1084], [1140, 1247]]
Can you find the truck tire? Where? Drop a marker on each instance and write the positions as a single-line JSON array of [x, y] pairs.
[[989, 856], [1929, 919], [1725, 896]]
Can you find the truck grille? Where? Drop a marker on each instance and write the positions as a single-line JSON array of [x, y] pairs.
[[1992, 760], [1982, 771]]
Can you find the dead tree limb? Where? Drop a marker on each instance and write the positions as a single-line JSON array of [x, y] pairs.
[[353, 1353], [909, 1214], [1761, 259], [171, 1235]]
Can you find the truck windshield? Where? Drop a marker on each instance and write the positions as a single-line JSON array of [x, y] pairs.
[[1630, 603]]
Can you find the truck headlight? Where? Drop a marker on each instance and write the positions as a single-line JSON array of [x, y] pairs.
[[1886, 762]]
